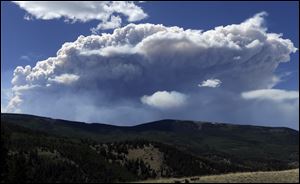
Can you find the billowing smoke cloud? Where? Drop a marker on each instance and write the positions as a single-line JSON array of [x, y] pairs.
[[84, 11], [104, 77]]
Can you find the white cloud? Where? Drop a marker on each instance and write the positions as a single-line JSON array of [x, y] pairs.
[[165, 99], [118, 69], [213, 83], [83, 11], [271, 94], [134, 12], [114, 22], [236, 57], [64, 79]]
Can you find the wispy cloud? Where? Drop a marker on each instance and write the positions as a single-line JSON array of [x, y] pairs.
[[271, 94], [26, 58]]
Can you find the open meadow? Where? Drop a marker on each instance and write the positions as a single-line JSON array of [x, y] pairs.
[[288, 176]]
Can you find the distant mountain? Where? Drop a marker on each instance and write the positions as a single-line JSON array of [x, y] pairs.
[[165, 148]]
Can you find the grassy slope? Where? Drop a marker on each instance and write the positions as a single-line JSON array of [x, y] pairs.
[[288, 176]]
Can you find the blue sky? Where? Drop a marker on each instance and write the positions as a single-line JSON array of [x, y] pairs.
[[24, 42]]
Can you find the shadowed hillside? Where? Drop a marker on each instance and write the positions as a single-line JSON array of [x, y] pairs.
[[50, 150]]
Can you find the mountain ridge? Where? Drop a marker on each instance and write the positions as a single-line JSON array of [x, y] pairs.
[[146, 123]]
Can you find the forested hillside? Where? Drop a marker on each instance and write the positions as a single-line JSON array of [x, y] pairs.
[[37, 149]]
